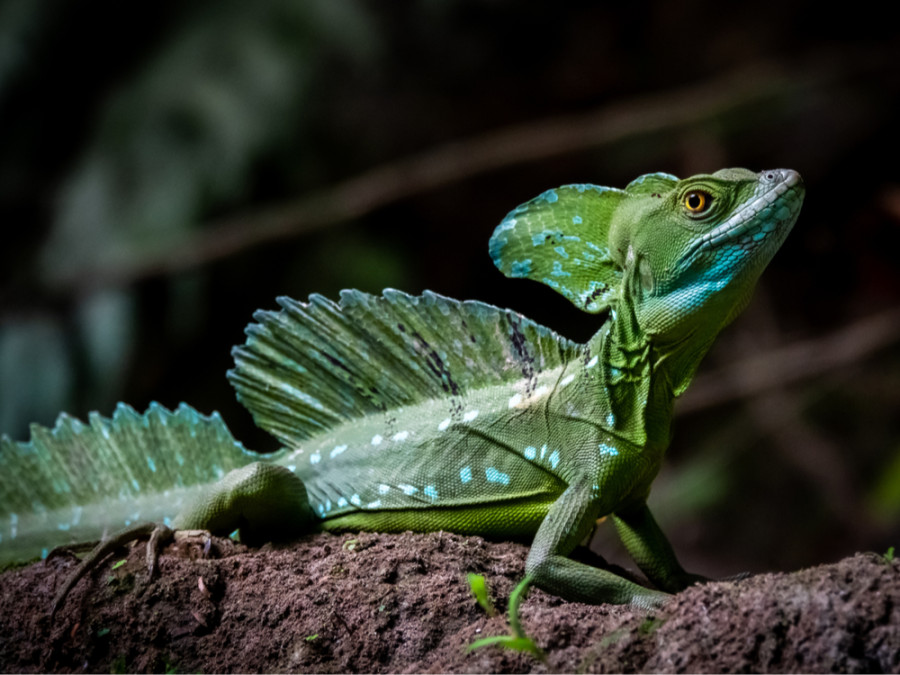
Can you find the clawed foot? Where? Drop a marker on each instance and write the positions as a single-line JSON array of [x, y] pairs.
[[159, 535], [740, 576]]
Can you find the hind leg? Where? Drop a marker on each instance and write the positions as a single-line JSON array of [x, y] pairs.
[[263, 502]]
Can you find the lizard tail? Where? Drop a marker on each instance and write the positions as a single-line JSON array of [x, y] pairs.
[[77, 481]]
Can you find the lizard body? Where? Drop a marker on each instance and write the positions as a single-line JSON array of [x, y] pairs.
[[423, 413]]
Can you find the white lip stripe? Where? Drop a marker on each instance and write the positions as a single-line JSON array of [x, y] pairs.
[[733, 226]]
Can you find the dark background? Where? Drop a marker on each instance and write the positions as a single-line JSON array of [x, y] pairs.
[[167, 168]]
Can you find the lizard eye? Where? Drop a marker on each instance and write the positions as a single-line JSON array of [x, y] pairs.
[[697, 201]]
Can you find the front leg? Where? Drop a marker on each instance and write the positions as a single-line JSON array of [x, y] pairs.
[[568, 521], [650, 549]]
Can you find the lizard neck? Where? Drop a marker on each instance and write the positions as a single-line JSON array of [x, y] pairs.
[[640, 376], [632, 407]]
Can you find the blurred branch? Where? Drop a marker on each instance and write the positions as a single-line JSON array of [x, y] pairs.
[[780, 415], [458, 160], [795, 362]]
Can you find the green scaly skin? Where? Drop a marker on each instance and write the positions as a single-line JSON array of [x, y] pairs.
[[400, 413]]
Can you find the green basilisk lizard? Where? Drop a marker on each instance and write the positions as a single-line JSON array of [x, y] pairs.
[[423, 413]]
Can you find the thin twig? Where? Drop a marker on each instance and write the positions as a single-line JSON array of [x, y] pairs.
[[452, 162], [792, 363]]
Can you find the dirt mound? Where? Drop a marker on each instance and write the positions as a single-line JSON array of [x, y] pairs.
[[401, 603]]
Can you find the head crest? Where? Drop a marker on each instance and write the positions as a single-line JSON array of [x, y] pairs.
[[561, 238]]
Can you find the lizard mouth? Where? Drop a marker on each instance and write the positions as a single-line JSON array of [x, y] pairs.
[[765, 220]]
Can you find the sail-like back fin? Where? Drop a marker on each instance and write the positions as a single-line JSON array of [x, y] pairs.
[[76, 481], [313, 366], [561, 238]]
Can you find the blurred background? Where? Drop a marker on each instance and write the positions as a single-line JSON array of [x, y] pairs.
[[168, 168]]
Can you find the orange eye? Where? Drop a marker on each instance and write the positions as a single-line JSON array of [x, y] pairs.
[[697, 202]]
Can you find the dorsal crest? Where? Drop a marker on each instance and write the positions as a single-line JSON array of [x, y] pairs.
[[314, 366]]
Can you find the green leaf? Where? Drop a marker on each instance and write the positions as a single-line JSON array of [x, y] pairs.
[[519, 644], [518, 641], [478, 585]]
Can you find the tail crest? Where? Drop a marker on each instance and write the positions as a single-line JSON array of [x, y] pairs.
[[76, 481]]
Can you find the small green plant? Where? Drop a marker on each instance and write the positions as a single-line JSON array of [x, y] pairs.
[[649, 626], [889, 555], [118, 564], [118, 665], [518, 640], [478, 586], [310, 638]]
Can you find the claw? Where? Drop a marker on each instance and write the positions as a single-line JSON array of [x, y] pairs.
[[740, 576], [159, 535]]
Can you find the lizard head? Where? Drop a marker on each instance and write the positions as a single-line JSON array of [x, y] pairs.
[[683, 254], [692, 250]]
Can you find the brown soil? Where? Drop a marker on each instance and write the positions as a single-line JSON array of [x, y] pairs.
[[401, 603]]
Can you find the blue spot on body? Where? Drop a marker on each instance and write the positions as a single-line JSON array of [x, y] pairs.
[[431, 492], [558, 270], [465, 474], [576, 220], [495, 247], [607, 450], [561, 251], [151, 464], [554, 458], [508, 223], [530, 452], [548, 196], [520, 268], [496, 476]]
